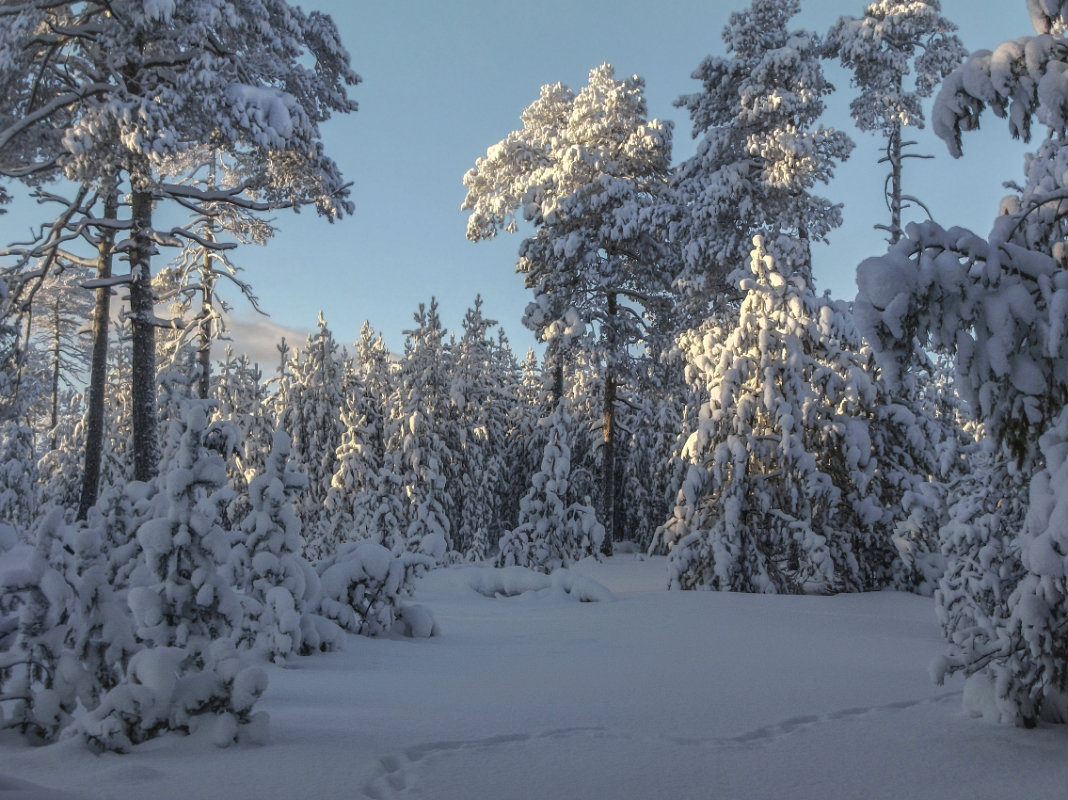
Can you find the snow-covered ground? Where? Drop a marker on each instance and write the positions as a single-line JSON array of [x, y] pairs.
[[649, 694]]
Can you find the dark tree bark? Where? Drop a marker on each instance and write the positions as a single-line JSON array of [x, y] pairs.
[[94, 435], [143, 338], [608, 454]]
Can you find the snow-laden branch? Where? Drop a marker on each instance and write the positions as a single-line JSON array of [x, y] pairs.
[[45, 111]]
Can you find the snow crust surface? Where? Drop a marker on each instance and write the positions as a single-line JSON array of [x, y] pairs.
[[653, 694]]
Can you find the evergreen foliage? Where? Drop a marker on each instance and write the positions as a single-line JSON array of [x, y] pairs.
[[553, 533], [778, 494]]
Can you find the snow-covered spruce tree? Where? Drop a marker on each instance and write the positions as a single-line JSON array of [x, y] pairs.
[[81, 636], [240, 398], [983, 563], [349, 500], [102, 637], [312, 417], [59, 467], [759, 155], [185, 612], [1000, 306], [895, 39], [266, 562], [478, 392], [654, 470], [552, 533], [125, 86], [117, 515], [777, 497], [523, 439], [418, 457], [589, 171], [374, 366]]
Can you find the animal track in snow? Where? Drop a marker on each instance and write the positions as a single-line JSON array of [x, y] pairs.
[[768, 733], [395, 773]]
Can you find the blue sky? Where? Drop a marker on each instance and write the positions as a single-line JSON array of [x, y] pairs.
[[445, 79]]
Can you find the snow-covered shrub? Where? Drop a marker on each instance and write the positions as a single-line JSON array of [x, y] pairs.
[[18, 476], [185, 611], [518, 581], [363, 586], [39, 679], [161, 693]]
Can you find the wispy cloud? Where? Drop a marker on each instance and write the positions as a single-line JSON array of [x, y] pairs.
[[258, 337]]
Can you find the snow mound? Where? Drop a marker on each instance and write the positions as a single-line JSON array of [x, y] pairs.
[[518, 581]]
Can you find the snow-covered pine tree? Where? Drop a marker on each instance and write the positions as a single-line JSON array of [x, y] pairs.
[[776, 495], [895, 39], [121, 87], [116, 460], [552, 533], [589, 171], [760, 152], [1000, 306], [205, 259], [95, 394]]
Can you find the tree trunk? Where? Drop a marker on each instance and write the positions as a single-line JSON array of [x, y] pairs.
[[894, 198], [94, 435], [57, 352], [608, 454], [208, 298], [556, 356], [143, 337], [204, 343]]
